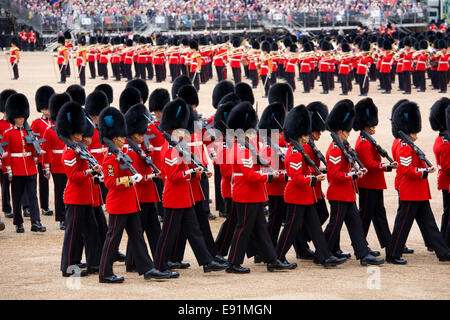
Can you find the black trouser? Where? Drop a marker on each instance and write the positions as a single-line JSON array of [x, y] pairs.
[[180, 242], [68, 69], [290, 78], [407, 81], [151, 227], [324, 81], [43, 188], [266, 84], [6, 195], [220, 206], [363, 85], [221, 73], [136, 69], [195, 78], [159, 71], [345, 78], [443, 80], [246, 72], [371, 208], [116, 71], [81, 228], [174, 219], [31, 46], [373, 72], [59, 184], [236, 75], [306, 79], [123, 73], [330, 75], [21, 185], [184, 70], [250, 223], [277, 214], [273, 78], [421, 211], [421, 81], [302, 217], [116, 224], [150, 71], [92, 69], [445, 222], [164, 72], [160, 188], [204, 183], [174, 71], [15, 68], [82, 75], [346, 211], [204, 74], [140, 72], [401, 82], [223, 240], [253, 74], [104, 68], [385, 79], [128, 71], [62, 71], [99, 69]]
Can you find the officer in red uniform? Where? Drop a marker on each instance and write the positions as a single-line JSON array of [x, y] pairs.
[[174, 59], [158, 59], [78, 197], [372, 184], [104, 58], [235, 57], [53, 164], [443, 67], [81, 60], [219, 59], [300, 194], [14, 57], [386, 66], [414, 190], [146, 190], [142, 58], [91, 56], [122, 205], [178, 199], [32, 39], [115, 58], [325, 64], [128, 59], [345, 65], [441, 149], [249, 195], [407, 65], [421, 65], [290, 62], [23, 40], [342, 187], [306, 72], [39, 126], [62, 59], [19, 162], [363, 68]]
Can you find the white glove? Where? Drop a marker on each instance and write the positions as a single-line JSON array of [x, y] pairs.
[[136, 178]]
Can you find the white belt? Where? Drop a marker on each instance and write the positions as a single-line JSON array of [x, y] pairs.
[[235, 59], [386, 63], [439, 167], [21, 155], [195, 144], [328, 63], [443, 61], [363, 65], [406, 61], [99, 150], [58, 150], [304, 64], [344, 65], [421, 62], [290, 64], [265, 67], [238, 174], [157, 148]]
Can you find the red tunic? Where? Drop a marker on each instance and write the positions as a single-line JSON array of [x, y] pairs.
[[374, 178], [441, 151], [80, 186], [146, 189], [54, 149], [39, 126], [20, 157]]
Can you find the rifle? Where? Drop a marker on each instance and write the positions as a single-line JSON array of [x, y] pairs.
[[308, 160], [31, 138], [207, 127], [415, 148], [2, 144], [337, 141], [124, 159], [81, 151], [148, 161], [275, 147], [354, 154], [316, 150], [147, 138], [180, 146], [380, 150]]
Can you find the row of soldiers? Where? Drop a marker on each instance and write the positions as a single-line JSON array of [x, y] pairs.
[[360, 58], [121, 156]]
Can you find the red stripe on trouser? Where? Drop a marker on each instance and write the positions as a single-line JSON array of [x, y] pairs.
[[174, 256], [273, 216], [401, 228], [239, 235], [71, 235], [289, 231], [228, 227], [335, 224], [165, 238], [109, 243]]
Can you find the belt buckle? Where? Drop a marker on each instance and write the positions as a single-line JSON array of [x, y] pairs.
[[24, 154]]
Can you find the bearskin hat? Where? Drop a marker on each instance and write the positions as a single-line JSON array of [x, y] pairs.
[[236, 42], [71, 119], [189, 95], [230, 97], [341, 116], [447, 116], [366, 114], [319, 114], [77, 93], [179, 82], [56, 102], [326, 46], [346, 47], [245, 92], [141, 85], [158, 99], [221, 116], [105, 40], [185, 41], [297, 123], [274, 46], [82, 40], [193, 44], [423, 45], [242, 116], [129, 43], [255, 44], [220, 90], [265, 46], [17, 106], [42, 97], [407, 118], [4, 95], [437, 114], [307, 47], [193, 116], [387, 44], [128, 98], [175, 115], [282, 92], [61, 40], [393, 128], [96, 102], [90, 125], [111, 124], [107, 89], [67, 35], [92, 40], [136, 121], [272, 117], [365, 46]]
